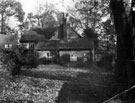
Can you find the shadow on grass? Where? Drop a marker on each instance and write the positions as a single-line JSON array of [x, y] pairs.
[[88, 87], [40, 74], [18, 101], [80, 77]]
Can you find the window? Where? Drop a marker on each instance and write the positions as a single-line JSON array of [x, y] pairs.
[[8, 45], [48, 54], [27, 46], [32, 45]]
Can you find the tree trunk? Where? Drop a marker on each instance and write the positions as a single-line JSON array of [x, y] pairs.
[[124, 30], [2, 22]]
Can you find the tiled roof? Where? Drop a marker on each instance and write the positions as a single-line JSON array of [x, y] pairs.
[[32, 38], [77, 44], [8, 39]]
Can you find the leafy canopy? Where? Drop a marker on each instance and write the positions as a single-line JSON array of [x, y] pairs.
[[10, 8]]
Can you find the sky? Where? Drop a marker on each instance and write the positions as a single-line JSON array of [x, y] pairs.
[[30, 5]]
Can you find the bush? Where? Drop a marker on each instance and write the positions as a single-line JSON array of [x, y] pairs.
[[64, 59], [100, 63], [81, 63], [44, 61], [106, 62], [17, 57], [30, 59], [10, 61]]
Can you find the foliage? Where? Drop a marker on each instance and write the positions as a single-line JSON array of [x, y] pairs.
[[23, 89], [124, 29], [90, 12], [10, 8], [19, 13], [45, 16], [44, 61], [94, 17], [86, 8], [108, 39], [64, 59], [29, 17], [17, 57], [89, 33], [29, 59], [10, 60]]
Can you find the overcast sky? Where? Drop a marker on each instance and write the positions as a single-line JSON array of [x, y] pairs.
[[30, 5]]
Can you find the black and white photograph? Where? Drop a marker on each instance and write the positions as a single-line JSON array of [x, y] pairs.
[[67, 51]]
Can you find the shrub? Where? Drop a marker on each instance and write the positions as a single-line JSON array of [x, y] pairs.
[[106, 62], [30, 59], [81, 63], [100, 63], [64, 59], [17, 57], [44, 61], [10, 61]]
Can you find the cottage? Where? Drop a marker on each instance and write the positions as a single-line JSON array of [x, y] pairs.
[[64, 41], [7, 41], [30, 38], [76, 48]]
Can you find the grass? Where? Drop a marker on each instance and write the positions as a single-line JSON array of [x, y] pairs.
[[22, 89], [44, 83]]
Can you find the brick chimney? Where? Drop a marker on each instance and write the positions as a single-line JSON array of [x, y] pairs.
[[62, 33]]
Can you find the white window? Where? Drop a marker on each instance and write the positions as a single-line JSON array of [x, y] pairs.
[[6, 45], [32, 45], [27, 46], [73, 57], [10, 45]]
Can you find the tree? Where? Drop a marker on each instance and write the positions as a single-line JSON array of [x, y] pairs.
[[108, 36], [88, 10], [45, 15], [124, 29], [10, 8], [89, 33], [88, 14], [30, 16]]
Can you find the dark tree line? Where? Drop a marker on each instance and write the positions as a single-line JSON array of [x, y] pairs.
[[124, 30]]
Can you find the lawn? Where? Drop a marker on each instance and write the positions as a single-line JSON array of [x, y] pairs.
[[24, 89], [46, 83]]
